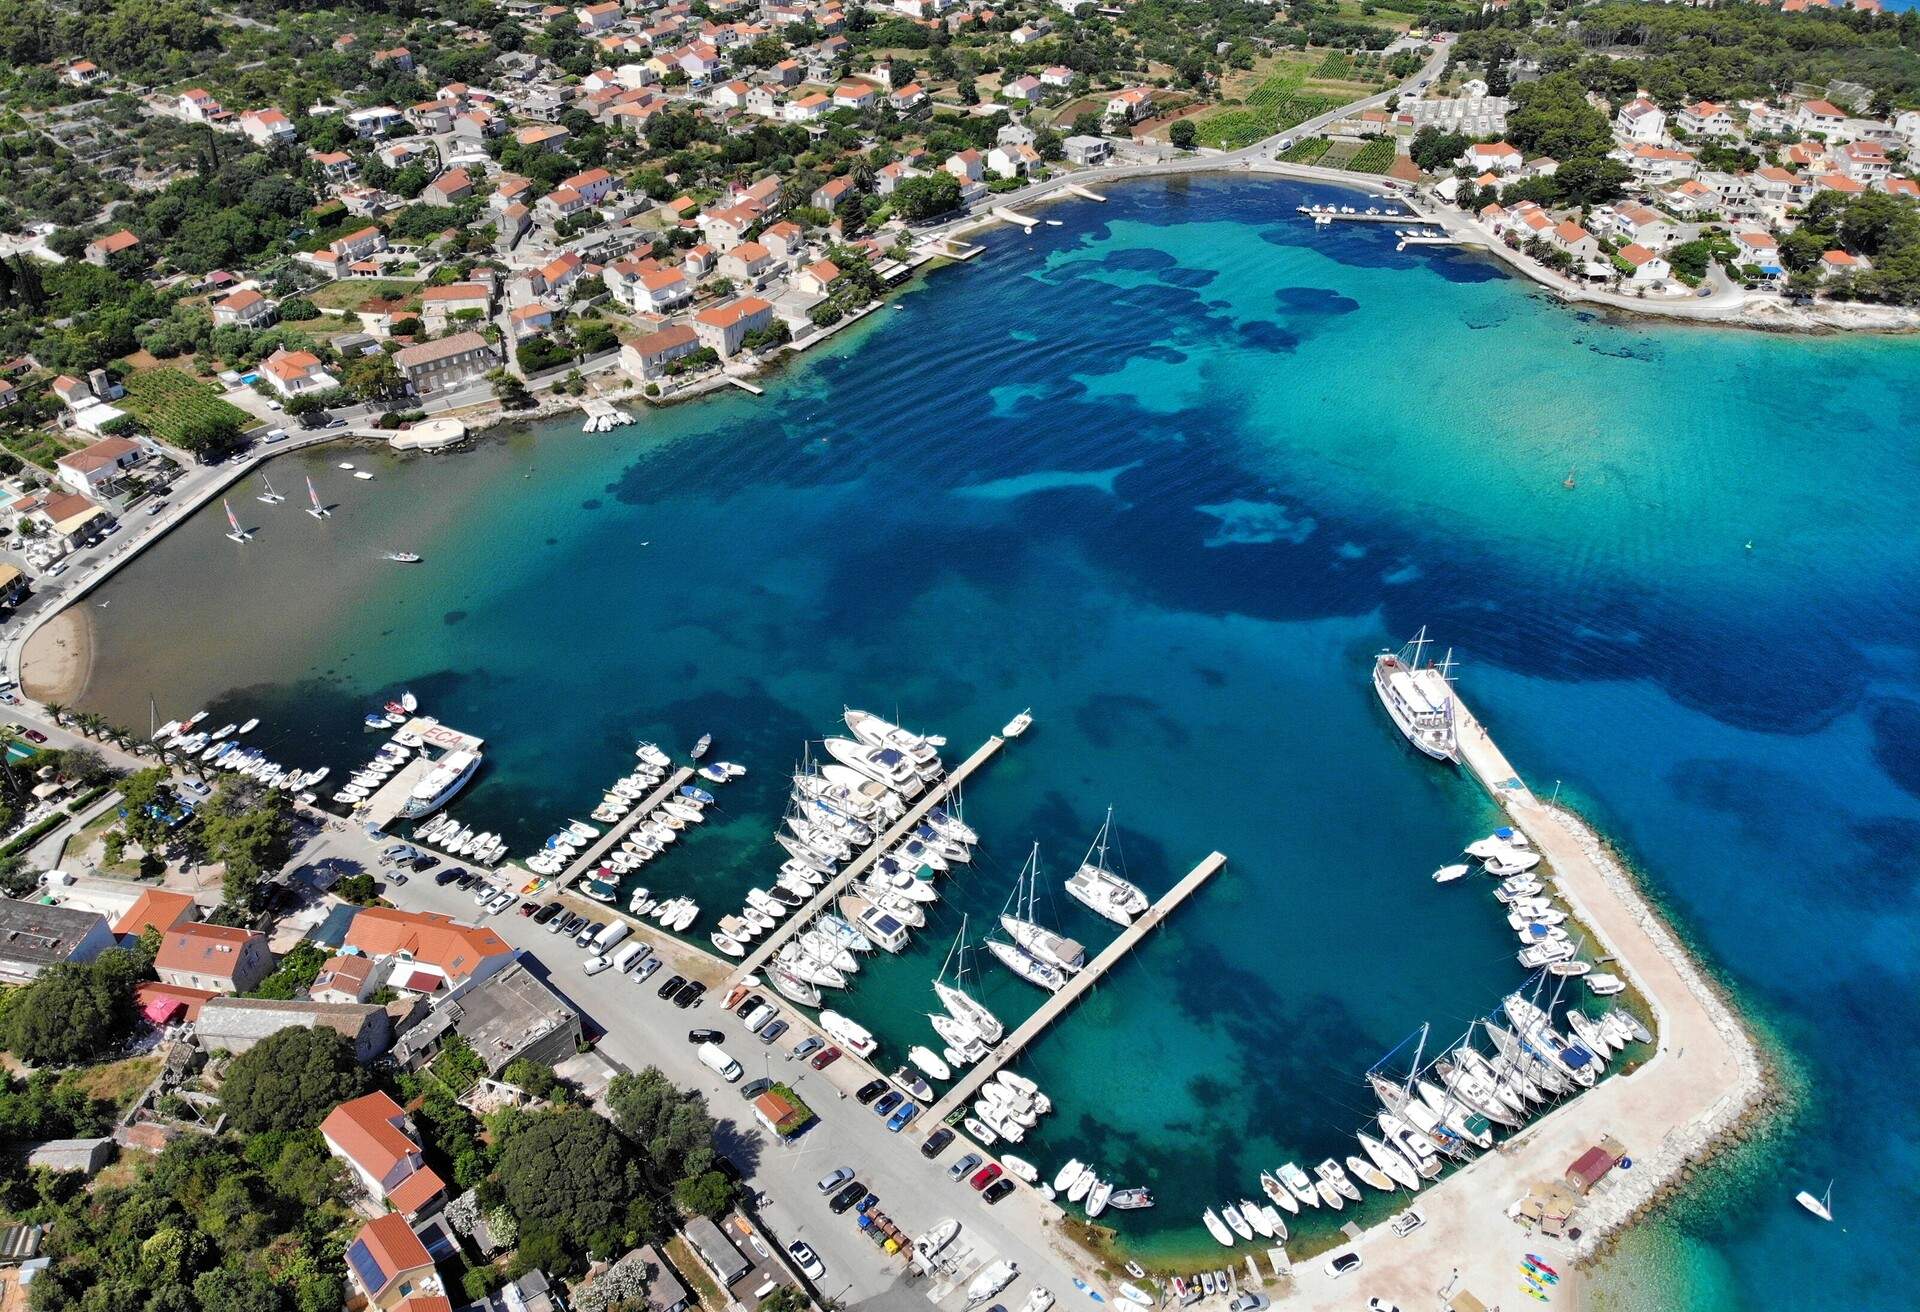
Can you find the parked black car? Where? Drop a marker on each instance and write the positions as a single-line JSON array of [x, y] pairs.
[[999, 1189], [705, 1036], [936, 1143], [869, 1091], [848, 1196], [672, 986], [689, 995]]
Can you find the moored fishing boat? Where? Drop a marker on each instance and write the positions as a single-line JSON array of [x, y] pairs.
[[1279, 1193], [1231, 1215]]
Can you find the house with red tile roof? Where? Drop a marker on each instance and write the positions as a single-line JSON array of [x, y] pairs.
[[427, 952], [222, 958], [102, 249], [292, 372], [648, 357], [345, 979], [724, 327], [245, 307], [387, 1263], [373, 1135], [157, 909]]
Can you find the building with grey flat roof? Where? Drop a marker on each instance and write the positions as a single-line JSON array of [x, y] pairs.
[[716, 1250], [511, 1013], [35, 935]]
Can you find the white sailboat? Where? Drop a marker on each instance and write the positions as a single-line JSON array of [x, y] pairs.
[[315, 509], [237, 534], [1104, 892], [960, 1004], [1821, 1207], [271, 497]]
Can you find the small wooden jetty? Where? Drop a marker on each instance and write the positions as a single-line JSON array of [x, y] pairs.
[[1082, 191], [606, 843]]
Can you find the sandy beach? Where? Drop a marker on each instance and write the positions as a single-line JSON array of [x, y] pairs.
[[57, 662]]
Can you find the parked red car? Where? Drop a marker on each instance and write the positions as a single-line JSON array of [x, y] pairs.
[[985, 1176], [825, 1058]]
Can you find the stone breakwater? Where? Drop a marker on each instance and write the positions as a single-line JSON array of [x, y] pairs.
[[1625, 1196]]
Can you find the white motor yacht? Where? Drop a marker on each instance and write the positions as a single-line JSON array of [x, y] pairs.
[[1419, 697]]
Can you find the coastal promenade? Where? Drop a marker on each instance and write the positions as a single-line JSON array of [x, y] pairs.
[[1704, 1076], [1056, 1006], [823, 900]]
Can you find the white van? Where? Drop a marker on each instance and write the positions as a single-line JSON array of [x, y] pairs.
[[612, 934], [714, 1058], [624, 959]]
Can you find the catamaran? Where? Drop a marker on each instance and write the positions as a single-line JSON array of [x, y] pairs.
[[1419, 698], [1106, 893], [315, 509], [1037, 941], [271, 497], [238, 534]]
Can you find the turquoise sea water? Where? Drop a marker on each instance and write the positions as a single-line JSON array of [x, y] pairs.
[[1168, 474]]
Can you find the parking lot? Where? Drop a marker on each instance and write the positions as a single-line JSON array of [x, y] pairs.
[[638, 1029]]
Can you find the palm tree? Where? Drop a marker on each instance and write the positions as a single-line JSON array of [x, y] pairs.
[[89, 723], [16, 788], [58, 710]]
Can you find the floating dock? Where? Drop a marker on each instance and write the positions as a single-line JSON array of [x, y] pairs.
[[746, 386], [1009, 216], [823, 899], [384, 807], [1010, 1047], [1082, 191], [607, 841]]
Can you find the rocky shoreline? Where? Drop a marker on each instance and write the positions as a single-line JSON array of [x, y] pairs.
[[1626, 1198]]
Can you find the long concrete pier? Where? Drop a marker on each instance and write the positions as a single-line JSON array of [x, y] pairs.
[[823, 899], [623, 826], [1051, 1010], [1703, 1075]]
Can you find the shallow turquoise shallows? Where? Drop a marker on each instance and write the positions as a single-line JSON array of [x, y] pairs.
[[1170, 473]]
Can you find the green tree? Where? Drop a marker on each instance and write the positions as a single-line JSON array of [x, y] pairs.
[[568, 1172], [708, 1194], [919, 199], [74, 1012], [291, 1080], [1183, 134], [670, 1125]]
